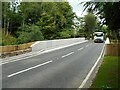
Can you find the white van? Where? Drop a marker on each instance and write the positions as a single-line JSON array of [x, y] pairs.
[[99, 37]]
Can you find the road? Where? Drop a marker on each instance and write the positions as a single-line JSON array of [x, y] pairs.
[[63, 68]]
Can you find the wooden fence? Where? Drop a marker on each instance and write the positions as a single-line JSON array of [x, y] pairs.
[[12, 48], [113, 49]]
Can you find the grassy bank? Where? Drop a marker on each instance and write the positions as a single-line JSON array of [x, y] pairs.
[[107, 76]]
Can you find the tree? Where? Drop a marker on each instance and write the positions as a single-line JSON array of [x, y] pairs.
[[90, 24], [109, 12], [51, 21], [11, 19], [5, 16], [51, 18]]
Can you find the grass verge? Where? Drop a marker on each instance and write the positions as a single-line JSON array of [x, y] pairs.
[[107, 76]]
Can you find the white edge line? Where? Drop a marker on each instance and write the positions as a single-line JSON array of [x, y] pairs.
[[67, 54], [61, 47], [80, 48], [35, 43], [29, 68], [38, 53], [21, 58], [90, 72]]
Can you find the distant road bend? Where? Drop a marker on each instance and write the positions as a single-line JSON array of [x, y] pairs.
[[63, 68]]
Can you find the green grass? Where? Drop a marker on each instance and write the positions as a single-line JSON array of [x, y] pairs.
[[107, 76]]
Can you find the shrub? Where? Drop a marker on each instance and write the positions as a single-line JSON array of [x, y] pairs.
[[29, 33], [8, 40], [66, 33]]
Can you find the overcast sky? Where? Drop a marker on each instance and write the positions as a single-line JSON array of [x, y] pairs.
[[77, 7]]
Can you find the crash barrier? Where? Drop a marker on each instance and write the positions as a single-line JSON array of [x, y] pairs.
[[42, 45], [13, 50], [113, 49]]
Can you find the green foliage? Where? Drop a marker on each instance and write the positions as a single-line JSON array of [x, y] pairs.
[[90, 24], [8, 40], [31, 21], [107, 76], [66, 33], [11, 20], [90, 21], [108, 12], [104, 29], [55, 20], [29, 33]]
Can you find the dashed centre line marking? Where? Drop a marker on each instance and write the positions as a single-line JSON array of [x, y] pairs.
[[67, 54], [29, 68], [80, 49]]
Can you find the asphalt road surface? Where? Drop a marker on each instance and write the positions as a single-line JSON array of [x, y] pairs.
[[63, 68]]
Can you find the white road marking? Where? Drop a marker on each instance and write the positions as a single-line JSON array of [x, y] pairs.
[[86, 45], [21, 58], [35, 43], [29, 68], [90, 72], [80, 49], [39, 52], [67, 54]]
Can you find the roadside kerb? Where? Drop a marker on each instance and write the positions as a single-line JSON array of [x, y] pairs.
[[87, 82], [54, 43], [32, 54]]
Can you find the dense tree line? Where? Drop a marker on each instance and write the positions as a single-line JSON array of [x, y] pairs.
[[24, 22], [31, 21]]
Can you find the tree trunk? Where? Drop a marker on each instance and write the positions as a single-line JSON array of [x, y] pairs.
[[23, 22], [7, 32]]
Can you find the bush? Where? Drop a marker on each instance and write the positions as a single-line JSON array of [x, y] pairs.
[[29, 34], [66, 33], [8, 40]]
